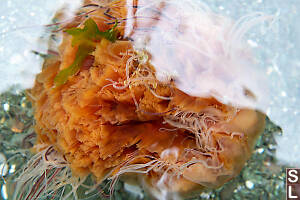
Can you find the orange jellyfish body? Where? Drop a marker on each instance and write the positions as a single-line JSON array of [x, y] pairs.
[[115, 117]]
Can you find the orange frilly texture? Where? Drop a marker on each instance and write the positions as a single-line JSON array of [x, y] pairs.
[[101, 129]]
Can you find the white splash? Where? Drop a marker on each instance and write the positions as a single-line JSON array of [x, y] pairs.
[[20, 34]]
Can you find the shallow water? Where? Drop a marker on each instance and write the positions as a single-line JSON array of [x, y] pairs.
[[275, 45]]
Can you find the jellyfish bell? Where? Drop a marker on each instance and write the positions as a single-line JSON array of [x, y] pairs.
[[150, 91], [209, 56]]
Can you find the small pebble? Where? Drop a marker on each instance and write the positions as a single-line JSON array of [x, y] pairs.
[[3, 165], [249, 185], [260, 150], [6, 107]]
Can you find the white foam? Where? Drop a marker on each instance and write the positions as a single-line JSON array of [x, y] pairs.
[[20, 33]]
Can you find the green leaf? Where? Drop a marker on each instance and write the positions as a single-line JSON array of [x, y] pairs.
[[91, 32], [86, 39], [87, 34], [82, 52]]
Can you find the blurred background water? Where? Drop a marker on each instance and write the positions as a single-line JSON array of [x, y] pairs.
[[276, 45]]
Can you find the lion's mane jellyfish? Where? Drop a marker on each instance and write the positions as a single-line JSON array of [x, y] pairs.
[[160, 92]]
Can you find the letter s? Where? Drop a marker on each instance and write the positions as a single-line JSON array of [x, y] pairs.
[[293, 173]]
